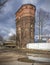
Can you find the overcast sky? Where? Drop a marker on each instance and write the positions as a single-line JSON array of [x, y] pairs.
[[7, 15]]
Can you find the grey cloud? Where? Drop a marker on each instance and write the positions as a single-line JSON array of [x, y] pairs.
[[7, 18], [46, 5]]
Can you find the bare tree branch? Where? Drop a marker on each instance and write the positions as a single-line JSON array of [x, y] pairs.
[[2, 2]]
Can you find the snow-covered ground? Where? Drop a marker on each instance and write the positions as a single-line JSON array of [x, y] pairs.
[[40, 59], [39, 46]]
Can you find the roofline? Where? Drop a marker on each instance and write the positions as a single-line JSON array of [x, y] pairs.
[[28, 4], [24, 5]]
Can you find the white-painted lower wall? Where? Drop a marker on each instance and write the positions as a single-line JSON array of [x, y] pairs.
[[40, 46]]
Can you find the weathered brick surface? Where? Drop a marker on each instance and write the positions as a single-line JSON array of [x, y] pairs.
[[25, 24]]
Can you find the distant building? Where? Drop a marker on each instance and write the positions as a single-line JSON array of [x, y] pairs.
[[45, 38], [25, 24], [10, 44], [48, 40]]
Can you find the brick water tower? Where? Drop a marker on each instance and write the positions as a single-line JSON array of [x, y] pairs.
[[25, 24]]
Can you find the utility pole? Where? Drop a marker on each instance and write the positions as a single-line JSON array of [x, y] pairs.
[[39, 28], [40, 25]]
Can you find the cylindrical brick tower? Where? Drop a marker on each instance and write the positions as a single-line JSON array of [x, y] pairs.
[[25, 24]]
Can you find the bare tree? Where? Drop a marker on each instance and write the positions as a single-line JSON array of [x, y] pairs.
[[43, 15], [2, 2], [1, 38], [13, 37]]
